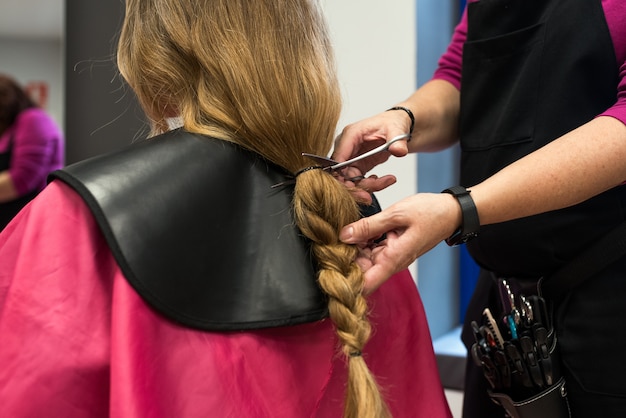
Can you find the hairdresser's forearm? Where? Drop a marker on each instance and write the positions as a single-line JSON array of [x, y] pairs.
[[569, 170], [436, 108]]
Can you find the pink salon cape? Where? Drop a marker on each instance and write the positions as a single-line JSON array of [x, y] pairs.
[[77, 341]]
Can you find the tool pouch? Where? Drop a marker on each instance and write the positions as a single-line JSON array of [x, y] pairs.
[[524, 374], [551, 403], [519, 356]]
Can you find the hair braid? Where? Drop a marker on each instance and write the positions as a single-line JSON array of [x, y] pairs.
[[322, 206]]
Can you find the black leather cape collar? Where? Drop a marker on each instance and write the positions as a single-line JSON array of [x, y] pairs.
[[200, 234]]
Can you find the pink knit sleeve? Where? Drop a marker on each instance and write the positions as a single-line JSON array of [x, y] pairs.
[[37, 145], [449, 67], [615, 13]]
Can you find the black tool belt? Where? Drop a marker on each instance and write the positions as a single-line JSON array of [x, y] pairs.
[[517, 347], [518, 352], [550, 403], [200, 234]]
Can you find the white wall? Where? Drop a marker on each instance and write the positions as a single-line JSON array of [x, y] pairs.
[[376, 47]]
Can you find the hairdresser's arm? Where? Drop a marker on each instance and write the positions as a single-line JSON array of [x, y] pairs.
[[435, 107], [569, 170]]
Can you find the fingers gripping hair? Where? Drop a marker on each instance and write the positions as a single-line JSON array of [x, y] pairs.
[[322, 206]]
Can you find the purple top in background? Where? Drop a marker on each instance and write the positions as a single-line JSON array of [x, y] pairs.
[[38, 149], [615, 12]]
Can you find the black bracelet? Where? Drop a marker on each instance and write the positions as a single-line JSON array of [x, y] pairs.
[[408, 112], [470, 224]]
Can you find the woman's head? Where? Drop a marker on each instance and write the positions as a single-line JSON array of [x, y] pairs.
[[13, 100], [258, 73]]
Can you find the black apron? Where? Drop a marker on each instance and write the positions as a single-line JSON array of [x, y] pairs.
[[533, 70], [9, 209]]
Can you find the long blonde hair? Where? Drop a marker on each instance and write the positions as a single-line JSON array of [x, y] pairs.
[[261, 74]]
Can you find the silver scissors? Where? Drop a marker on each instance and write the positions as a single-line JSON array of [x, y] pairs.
[[332, 165], [328, 164]]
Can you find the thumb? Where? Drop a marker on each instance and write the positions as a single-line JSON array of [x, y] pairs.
[[400, 148], [363, 230]]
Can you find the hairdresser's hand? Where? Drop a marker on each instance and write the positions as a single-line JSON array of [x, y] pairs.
[[370, 133], [412, 226], [364, 136], [362, 187]]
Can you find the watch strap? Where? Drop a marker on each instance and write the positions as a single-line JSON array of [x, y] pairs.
[[470, 224]]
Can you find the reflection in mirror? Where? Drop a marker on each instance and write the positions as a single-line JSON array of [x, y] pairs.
[[31, 47]]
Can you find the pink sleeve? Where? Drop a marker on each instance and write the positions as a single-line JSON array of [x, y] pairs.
[[449, 67], [618, 110], [615, 12], [37, 150]]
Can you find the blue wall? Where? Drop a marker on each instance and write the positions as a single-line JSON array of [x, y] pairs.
[[438, 270], [447, 276]]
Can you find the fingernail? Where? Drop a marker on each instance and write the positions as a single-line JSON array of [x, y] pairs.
[[346, 234]]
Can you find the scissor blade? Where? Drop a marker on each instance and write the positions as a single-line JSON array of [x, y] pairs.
[[323, 161]]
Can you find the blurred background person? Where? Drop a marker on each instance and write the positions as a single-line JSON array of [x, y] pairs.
[[31, 146]]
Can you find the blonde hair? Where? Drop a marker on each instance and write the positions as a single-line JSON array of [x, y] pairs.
[[261, 74]]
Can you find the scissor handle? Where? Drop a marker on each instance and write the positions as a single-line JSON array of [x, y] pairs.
[[374, 151]]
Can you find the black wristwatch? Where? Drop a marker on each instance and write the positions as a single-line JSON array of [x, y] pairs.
[[469, 216]]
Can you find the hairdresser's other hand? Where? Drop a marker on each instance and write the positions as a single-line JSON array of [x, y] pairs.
[[412, 227], [362, 187], [370, 133]]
